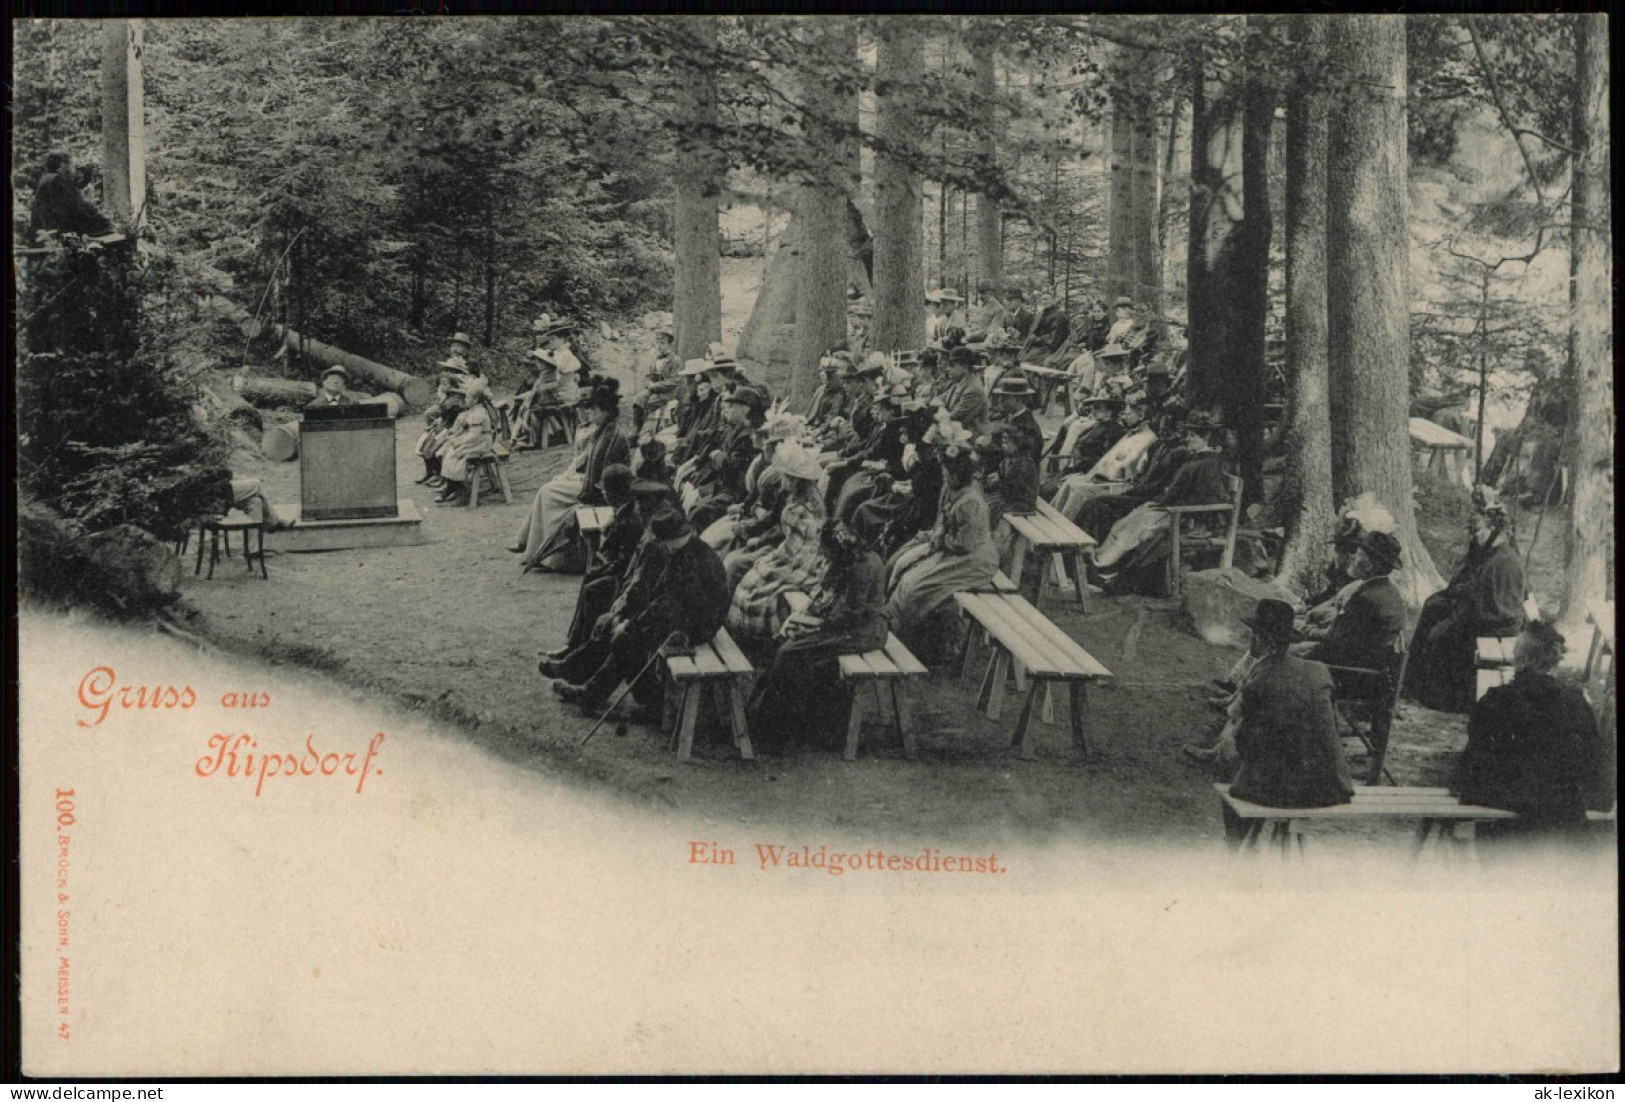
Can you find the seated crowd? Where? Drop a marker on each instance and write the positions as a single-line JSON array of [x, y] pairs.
[[884, 494]]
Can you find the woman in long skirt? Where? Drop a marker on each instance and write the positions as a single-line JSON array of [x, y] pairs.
[[957, 555], [801, 696], [754, 618], [544, 539]]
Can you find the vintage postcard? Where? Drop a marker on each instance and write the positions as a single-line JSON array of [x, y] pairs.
[[725, 545]]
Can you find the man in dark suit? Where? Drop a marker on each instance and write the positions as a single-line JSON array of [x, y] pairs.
[[682, 589], [60, 206], [332, 392], [618, 546], [1287, 739], [964, 398], [1364, 632]]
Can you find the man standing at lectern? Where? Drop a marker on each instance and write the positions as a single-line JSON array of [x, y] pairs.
[[332, 392]]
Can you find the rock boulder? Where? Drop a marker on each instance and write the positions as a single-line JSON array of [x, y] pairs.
[[1217, 600]]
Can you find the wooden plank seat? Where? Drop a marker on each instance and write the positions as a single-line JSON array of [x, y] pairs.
[[492, 470], [1489, 677], [1043, 655], [1047, 531], [720, 666], [886, 667], [1494, 651], [1437, 812]]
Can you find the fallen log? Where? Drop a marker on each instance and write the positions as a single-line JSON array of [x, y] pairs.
[[416, 391], [223, 399], [262, 391], [394, 405]]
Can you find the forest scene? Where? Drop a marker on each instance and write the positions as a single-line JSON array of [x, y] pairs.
[[868, 307]]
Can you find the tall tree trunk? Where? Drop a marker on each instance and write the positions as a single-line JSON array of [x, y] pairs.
[[1589, 545], [1165, 189], [116, 121], [899, 276], [1147, 272], [1120, 217], [1305, 503], [1368, 280], [1229, 258], [830, 123], [697, 294], [989, 239]]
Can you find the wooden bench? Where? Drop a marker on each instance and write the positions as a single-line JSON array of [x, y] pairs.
[[1042, 653], [488, 468], [1046, 531], [593, 521], [720, 665], [887, 667], [1436, 810]]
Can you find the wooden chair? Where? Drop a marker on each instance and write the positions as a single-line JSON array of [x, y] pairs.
[[1366, 701], [250, 522], [1180, 542]]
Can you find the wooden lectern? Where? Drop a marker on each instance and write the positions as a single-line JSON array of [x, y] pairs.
[[347, 464]]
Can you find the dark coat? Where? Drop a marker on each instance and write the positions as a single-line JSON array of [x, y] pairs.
[[738, 447], [618, 546], [1290, 752], [59, 205], [966, 402], [1484, 598], [1093, 444], [1533, 748], [608, 448], [689, 595], [1364, 632]]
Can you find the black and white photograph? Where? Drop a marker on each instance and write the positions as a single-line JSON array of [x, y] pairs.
[[837, 544]]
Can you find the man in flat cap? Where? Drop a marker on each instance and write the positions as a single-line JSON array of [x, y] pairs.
[[332, 391]]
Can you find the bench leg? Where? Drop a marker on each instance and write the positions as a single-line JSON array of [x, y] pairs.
[[502, 480], [685, 730], [1080, 580], [1420, 841], [1255, 828], [965, 650], [736, 707], [214, 551], [475, 476], [1057, 562], [1078, 707], [1018, 561], [202, 538], [260, 540], [1024, 726], [1046, 711], [905, 729], [1175, 566], [998, 668], [854, 727]]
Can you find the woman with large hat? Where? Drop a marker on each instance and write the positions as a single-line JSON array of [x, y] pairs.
[[801, 696], [793, 564], [957, 554], [1486, 597], [549, 539]]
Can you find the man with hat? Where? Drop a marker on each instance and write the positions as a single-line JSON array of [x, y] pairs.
[[662, 382], [1285, 733], [717, 479], [1011, 399], [679, 590], [699, 412], [634, 502], [1021, 317], [1370, 621], [854, 478], [332, 391], [1123, 320], [858, 382], [964, 398]]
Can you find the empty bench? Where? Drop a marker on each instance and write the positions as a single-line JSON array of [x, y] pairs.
[[1436, 811], [1047, 531], [721, 666], [1042, 654], [887, 668]]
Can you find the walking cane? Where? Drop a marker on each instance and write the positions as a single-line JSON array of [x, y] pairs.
[[676, 641]]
